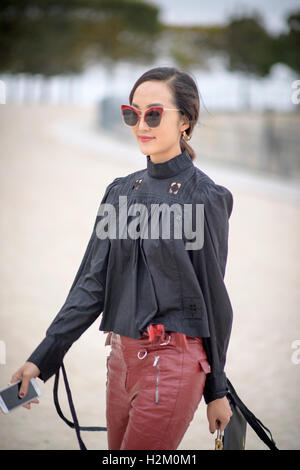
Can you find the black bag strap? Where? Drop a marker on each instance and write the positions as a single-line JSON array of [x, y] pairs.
[[254, 422], [75, 423]]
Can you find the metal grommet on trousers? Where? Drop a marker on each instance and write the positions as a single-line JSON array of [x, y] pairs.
[[153, 389]]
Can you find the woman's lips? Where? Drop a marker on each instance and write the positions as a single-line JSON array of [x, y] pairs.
[[146, 139]]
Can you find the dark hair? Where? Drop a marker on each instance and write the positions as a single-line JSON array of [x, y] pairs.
[[185, 93]]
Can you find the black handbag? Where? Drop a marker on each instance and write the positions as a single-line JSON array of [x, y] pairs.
[[234, 435], [233, 438]]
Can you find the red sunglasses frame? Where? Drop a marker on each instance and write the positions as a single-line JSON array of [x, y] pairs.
[[160, 109]]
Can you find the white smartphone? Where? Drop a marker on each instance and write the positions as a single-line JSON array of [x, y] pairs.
[[9, 396]]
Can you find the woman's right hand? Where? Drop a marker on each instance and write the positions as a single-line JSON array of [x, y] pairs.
[[25, 373]]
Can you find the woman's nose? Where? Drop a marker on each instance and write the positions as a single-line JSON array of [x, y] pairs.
[[142, 124]]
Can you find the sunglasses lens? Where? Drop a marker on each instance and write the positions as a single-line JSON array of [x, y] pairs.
[[153, 118], [130, 117]]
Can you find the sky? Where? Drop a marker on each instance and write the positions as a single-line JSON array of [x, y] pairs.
[[197, 12]]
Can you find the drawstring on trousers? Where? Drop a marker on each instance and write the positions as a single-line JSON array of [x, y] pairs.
[[159, 330]]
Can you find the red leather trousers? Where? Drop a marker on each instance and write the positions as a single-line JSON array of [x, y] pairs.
[[154, 386]]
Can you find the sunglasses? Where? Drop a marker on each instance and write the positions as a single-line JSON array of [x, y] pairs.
[[152, 117]]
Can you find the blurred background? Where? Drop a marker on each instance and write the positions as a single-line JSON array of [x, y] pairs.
[[65, 69]]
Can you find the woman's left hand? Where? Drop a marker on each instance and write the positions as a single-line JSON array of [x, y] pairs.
[[218, 414]]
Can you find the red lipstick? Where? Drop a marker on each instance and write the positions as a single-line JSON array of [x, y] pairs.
[[145, 138]]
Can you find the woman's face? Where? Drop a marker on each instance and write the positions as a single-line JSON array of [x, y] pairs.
[[166, 141]]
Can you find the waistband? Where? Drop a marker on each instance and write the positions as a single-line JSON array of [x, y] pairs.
[[155, 334]]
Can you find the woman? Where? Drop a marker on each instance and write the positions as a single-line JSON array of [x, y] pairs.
[[164, 301]]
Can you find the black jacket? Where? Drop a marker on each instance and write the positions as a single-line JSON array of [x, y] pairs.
[[136, 281]]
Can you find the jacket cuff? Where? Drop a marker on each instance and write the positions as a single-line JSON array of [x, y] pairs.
[[215, 387], [48, 356]]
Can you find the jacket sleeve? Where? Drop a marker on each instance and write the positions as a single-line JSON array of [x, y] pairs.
[[210, 263], [83, 304]]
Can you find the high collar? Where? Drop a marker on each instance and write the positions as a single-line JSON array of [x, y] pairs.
[[169, 168]]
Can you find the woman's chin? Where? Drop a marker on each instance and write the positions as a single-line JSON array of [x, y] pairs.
[[146, 149]]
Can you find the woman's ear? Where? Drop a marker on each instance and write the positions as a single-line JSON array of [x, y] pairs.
[[185, 123], [185, 127]]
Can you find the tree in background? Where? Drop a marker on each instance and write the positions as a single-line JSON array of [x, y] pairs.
[[61, 37], [250, 50], [288, 44], [49, 38], [243, 45]]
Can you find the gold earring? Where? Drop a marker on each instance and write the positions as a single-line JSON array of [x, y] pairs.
[[186, 137]]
